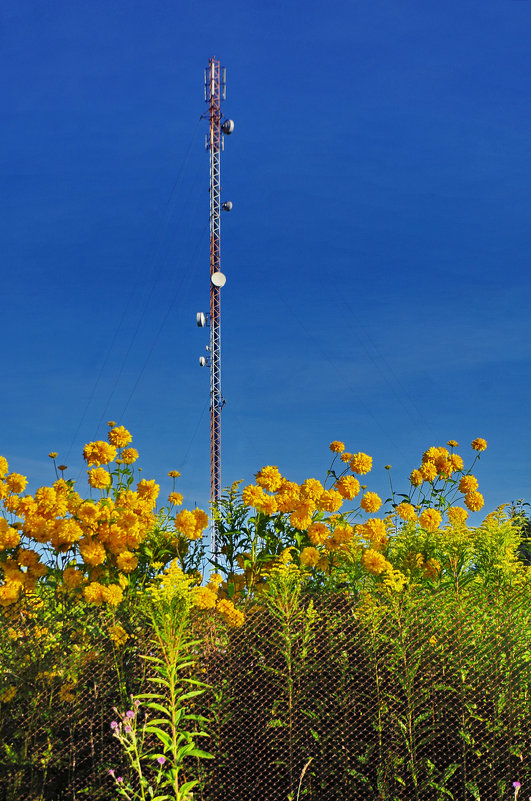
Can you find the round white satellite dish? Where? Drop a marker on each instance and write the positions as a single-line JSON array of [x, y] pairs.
[[218, 279]]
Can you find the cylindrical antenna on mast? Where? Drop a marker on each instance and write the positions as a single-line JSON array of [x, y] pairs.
[[215, 91]]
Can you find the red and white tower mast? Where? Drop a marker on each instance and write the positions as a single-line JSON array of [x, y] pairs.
[[215, 92]]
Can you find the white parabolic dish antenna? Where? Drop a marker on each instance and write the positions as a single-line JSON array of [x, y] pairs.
[[218, 279]]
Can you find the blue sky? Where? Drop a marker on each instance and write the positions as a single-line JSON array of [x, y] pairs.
[[377, 255]]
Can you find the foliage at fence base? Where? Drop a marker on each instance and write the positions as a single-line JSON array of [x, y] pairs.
[[415, 696], [395, 700]]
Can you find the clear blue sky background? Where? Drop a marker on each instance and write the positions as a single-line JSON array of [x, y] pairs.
[[377, 255]]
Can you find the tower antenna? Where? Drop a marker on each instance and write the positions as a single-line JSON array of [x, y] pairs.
[[215, 92]]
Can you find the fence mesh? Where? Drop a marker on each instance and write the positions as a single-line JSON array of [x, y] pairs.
[[330, 697]]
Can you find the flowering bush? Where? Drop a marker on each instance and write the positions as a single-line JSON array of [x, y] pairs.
[[90, 582], [330, 530]]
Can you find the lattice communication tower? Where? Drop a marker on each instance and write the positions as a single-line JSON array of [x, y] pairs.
[[215, 92]]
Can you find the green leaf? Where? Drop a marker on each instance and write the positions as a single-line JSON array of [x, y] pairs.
[[201, 754], [184, 789], [191, 694], [161, 735], [159, 708]]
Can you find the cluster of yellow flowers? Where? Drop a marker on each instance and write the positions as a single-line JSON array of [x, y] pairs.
[[101, 535], [191, 524], [438, 463], [307, 505], [207, 598], [175, 582], [118, 634], [273, 493]]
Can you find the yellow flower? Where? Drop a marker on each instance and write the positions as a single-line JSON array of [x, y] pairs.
[[430, 455], [148, 490], [479, 444], [92, 552], [287, 496], [430, 519], [173, 473], [4, 467], [456, 461], [175, 498], [468, 484], [361, 463], [185, 524], [204, 597], [111, 423], [233, 617], [416, 478], [340, 536], [66, 532], [52, 455], [253, 495], [444, 466], [269, 478], [72, 578], [113, 594], [119, 437], [346, 457], [126, 562], [9, 536], [330, 501], [129, 455], [215, 580], [93, 593], [11, 503], [201, 521], [474, 501], [99, 478], [311, 490], [406, 511], [37, 570], [10, 592], [318, 533], [337, 447], [375, 531], [46, 500], [301, 517], [16, 483], [98, 453], [118, 635], [348, 487], [374, 562], [428, 471], [457, 516], [27, 557], [452, 443], [309, 557], [370, 502], [268, 505]]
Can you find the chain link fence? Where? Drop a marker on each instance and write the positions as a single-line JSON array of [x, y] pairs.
[[327, 697]]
